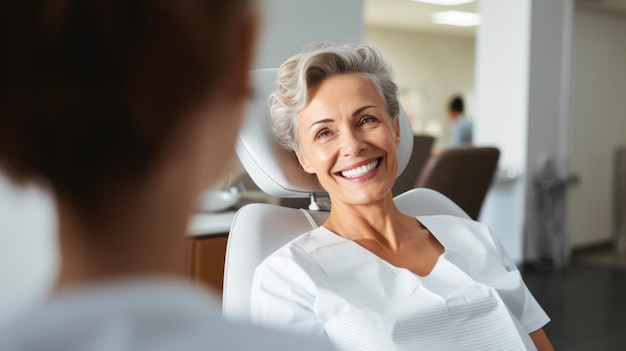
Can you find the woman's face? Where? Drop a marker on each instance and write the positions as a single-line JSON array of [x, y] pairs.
[[347, 139]]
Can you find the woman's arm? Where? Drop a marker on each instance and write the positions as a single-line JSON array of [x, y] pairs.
[[541, 340]]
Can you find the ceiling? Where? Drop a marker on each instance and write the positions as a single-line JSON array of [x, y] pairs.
[[412, 15]]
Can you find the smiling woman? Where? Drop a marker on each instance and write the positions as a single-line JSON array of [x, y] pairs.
[[373, 278], [348, 140]]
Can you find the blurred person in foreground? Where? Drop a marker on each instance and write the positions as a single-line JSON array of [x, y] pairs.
[[371, 277], [123, 109]]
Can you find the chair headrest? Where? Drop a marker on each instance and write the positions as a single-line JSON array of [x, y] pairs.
[[275, 170]]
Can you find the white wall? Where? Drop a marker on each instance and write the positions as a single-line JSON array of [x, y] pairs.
[[429, 68], [288, 25], [28, 251], [502, 68], [598, 121], [523, 88], [548, 124]]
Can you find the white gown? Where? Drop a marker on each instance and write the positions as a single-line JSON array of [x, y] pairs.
[[474, 298]]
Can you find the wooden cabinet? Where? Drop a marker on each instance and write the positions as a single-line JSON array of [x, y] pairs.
[[208, 234], [207, 257]]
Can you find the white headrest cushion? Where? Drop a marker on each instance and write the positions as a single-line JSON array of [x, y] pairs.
[[275, 170]]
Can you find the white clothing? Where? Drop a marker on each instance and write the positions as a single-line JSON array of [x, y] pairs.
[[474, 298], [149, 314]]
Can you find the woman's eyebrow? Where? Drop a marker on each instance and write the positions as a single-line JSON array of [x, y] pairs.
[[354, 114], [326, 120], [361, 109]]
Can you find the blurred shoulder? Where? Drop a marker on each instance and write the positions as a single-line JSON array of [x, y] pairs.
[[149, 315]]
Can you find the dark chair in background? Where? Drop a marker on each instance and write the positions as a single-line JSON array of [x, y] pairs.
[[422, 147], [464, 174]]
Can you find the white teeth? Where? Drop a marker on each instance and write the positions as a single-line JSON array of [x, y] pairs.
[[360, 171]]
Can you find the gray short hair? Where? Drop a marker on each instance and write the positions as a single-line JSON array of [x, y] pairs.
[[314, 64]]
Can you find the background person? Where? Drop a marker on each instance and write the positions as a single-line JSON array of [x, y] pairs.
[[124, 109], [373, 278], [461, 127]]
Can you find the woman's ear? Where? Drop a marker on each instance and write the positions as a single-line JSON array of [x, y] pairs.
[[397, 131], [304, 163]]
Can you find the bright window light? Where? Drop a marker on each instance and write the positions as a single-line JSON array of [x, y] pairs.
[[456, 18], [445, 2]]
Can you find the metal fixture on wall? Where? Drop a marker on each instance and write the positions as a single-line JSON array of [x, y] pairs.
[[550, 187]]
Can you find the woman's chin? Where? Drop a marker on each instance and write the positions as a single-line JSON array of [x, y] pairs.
[[365, 199]]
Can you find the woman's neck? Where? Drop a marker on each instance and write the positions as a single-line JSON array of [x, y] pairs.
[[381, 222]]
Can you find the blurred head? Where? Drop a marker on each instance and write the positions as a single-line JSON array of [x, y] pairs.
[[94, 91], [456, 106], [316, 63]]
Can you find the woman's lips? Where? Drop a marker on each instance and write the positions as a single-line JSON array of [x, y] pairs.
[[360, 171]]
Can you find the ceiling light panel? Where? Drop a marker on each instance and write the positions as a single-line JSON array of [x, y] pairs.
[[445, 2], [456, 18]]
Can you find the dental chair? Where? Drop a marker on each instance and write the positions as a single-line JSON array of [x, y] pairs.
[[260, 229]]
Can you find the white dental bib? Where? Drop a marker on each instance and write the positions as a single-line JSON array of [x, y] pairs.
[[474, 298]]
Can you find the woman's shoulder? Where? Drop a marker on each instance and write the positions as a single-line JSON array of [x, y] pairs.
[[451, 222], [304, 244], [297, 254], [458, 231], [292, 264], [467, 236]]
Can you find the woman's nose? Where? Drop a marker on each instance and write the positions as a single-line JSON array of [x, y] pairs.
[[351, 143]]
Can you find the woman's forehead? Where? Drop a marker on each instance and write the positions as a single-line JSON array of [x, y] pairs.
[[343, 94]]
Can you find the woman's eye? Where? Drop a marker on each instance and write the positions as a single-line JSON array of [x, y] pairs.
[[322, 134], [367, 119]]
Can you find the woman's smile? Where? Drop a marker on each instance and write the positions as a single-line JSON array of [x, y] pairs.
[[363, 171]]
